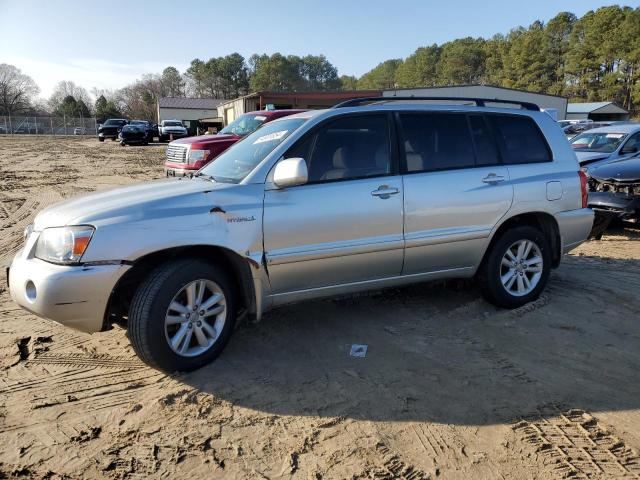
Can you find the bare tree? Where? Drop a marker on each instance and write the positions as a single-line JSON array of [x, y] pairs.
[[17, 90], [65, 89]]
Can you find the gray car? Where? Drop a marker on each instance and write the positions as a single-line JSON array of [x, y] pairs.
[[321, 203], [600, 145]]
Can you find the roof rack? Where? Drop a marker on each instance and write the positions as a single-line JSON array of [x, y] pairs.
[[480, 102]]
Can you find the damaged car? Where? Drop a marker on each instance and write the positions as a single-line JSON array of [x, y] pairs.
[[600, 145], [614, 192]]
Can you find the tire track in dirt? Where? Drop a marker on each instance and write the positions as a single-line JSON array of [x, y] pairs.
[[577, 445], [12, 227]]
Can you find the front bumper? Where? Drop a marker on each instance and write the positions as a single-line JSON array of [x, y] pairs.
[[609, 206], [75, 296], [108, 135]]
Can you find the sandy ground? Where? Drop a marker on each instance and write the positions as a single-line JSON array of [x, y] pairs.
[[451, 387]]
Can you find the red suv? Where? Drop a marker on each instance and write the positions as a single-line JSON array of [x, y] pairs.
[[188, 155]]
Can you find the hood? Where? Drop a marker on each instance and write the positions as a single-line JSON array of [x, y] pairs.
[[584, 158], [203, 139], [129, 203], [622, 170]]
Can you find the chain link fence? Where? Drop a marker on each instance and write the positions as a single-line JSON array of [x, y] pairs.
[[10, 125]]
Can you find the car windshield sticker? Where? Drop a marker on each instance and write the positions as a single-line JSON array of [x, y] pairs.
[[615, 135], [260, 117], [271, 137]]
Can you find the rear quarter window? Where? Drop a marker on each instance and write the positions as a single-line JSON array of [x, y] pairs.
[[519, 139]]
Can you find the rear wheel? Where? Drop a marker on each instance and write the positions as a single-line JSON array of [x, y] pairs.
[[182, 315], [100, 139], [517, 268]]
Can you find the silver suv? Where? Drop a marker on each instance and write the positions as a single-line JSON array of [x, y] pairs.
[[369, 194]]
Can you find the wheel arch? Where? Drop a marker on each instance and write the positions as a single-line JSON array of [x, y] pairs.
[[239, 267], [543, 221]]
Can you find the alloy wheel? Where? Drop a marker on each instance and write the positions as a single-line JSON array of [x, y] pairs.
[[521, 268], [195, 318]]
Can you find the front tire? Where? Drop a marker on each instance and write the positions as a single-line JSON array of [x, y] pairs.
[[517, 268], [100, 139], [182, 315]]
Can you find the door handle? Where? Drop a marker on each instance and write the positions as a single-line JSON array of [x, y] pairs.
[[492, 179], [384, 191]]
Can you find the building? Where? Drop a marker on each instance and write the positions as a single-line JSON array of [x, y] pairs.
[[231, 109], [197, 114], [555, 105], [597, 111]]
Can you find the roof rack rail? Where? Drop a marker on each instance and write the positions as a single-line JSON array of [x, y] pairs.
[[480, 102]]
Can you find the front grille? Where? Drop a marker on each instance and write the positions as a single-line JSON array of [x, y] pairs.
[[177, 153]]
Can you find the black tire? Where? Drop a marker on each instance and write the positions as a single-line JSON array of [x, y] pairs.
[[100, 139], [146, 325], [113, 139], [490, 271]]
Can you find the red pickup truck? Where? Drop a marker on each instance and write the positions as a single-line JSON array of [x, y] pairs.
[[188, 155]]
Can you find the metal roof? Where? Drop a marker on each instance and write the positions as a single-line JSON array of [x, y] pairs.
[[589, 107], [190, 103]]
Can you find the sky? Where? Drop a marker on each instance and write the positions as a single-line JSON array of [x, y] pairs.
[[107, 45]]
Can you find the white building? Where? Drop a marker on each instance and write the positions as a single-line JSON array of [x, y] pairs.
[[552, 103]]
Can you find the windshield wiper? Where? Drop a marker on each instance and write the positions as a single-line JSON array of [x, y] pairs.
[[205, 176]]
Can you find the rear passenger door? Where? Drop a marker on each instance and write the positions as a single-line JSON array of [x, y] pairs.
[[456, 189]]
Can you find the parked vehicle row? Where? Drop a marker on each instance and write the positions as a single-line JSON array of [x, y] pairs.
[[314, 204], [188, 155], [135, 131]]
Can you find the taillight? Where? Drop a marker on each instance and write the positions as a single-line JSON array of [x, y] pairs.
[[583, 188]]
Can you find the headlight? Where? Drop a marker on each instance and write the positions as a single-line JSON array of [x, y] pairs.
[[63, 244], [197, 155]]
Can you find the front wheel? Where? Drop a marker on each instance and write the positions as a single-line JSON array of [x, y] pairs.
[[182, 315], [100, 139], [517, 267]]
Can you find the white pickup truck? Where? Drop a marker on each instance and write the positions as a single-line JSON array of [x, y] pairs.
[[172, 129]]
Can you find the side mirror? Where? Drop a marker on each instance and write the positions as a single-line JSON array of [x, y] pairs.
[[290, 172]]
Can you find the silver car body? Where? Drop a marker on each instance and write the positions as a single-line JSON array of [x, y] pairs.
[[307, 241]]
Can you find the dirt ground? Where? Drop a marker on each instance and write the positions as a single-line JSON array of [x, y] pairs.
[[450, 388]]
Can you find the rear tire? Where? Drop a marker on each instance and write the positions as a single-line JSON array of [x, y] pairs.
[[100, 139], [155, 324], [517, 268]]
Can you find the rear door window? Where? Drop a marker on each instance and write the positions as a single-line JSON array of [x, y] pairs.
[[436, 141], [486, 149], [519, 139]]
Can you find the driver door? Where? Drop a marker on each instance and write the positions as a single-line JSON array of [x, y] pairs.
[[345, 225]]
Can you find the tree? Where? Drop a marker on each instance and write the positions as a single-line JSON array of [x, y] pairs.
[[348, 82], [381, 77], [70, 107], [527, 63], [67, 88], [275, 72], [171, 82], [318, 73], [558, 31], [106, 109], [462, 61], [17, 90], [420, 68]]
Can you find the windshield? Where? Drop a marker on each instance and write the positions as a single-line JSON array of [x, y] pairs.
[[605, 142], [244, 125], [238, 161], [138, 122], [114, 122], [172, 124]]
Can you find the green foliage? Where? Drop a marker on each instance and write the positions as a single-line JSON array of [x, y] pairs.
[[348, 82], [70, 107], [595, 57], [381, 77], [106, 109]]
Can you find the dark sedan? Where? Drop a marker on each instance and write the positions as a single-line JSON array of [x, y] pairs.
[[111, 128], [138, 132]]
